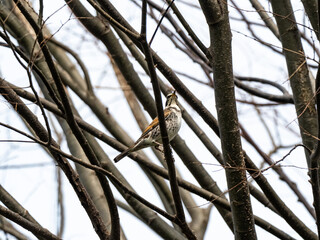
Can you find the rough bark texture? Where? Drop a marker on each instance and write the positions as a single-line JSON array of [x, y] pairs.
[[220, 35], [297, 71]]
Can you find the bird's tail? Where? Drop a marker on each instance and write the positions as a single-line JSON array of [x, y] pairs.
[[122, 155]]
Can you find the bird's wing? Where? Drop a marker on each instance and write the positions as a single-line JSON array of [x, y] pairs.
[[154, 123]]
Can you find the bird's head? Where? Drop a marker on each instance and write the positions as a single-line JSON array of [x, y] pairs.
[[171, 99]]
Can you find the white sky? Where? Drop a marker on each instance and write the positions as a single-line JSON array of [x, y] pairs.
[[35, 188]]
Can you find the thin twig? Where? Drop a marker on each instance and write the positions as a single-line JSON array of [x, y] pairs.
[[32, 227], [79, 61], [160, 21]]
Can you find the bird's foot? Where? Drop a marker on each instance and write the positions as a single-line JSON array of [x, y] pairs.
[[159, 147]]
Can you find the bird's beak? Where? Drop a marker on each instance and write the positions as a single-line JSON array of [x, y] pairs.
[[174, 93], [171, 97]]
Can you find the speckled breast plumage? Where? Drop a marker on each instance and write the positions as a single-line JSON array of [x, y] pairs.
[[173, 124]]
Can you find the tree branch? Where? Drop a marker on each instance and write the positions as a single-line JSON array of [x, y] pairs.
[[72, 176], [216, 14], [164, 135], [36, 229]]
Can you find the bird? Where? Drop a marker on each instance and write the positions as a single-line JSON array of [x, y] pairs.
[[151, 135]]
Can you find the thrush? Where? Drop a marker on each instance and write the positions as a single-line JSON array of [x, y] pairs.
[[151, 136]]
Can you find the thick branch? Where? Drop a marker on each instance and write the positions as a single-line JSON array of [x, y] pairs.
[[220, 36], [297, 71]]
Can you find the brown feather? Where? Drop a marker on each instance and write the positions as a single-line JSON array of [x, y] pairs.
[[154, 123]]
